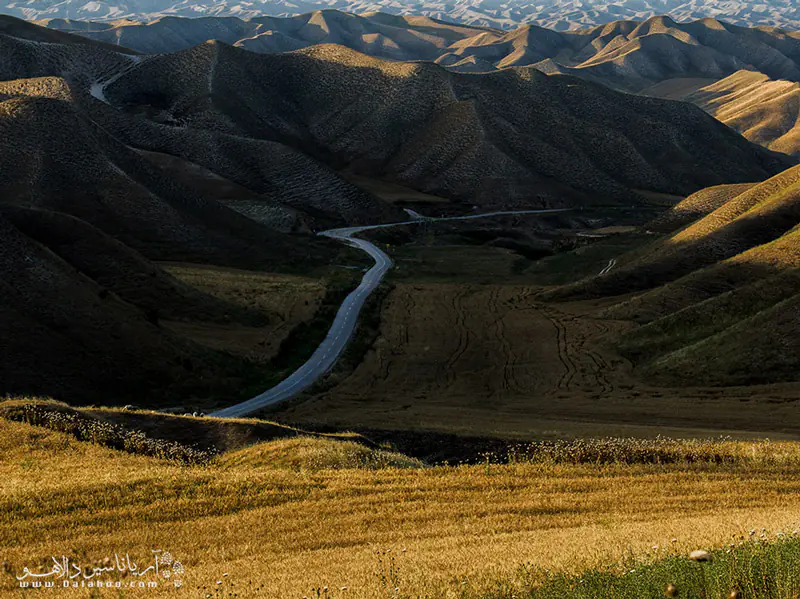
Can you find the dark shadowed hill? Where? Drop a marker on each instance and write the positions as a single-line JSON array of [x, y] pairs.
[[54, 158], [285, 180], [120, 270], [514, 137], [68, 330]]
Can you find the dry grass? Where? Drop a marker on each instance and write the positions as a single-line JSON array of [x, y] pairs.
[[287, 300], [314, 454], [274, 532]]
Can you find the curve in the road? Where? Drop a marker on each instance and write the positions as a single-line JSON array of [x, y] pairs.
[[325, 356]]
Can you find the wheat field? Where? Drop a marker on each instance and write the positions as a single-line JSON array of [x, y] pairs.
[[254, 528]]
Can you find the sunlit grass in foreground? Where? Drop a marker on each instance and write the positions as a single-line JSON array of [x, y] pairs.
[[283, 527], [759, 565]]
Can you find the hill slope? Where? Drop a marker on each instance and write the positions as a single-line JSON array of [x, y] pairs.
[[441, 132], [718, 299], [765, 111]]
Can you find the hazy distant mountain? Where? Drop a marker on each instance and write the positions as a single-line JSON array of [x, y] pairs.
[[556, 14], [623, 54]]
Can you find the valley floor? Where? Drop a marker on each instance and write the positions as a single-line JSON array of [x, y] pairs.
[[492, 360]]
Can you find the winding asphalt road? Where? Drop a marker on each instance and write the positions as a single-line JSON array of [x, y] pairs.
[[325, 356]]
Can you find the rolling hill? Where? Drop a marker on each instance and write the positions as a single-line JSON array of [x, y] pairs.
[[764, 110], [718, 298]]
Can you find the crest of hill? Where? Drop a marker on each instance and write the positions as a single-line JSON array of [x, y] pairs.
[[626, 54], [763, 110], [222, 443], [440, 132], [718, 299], [212, 435], [32, 32]]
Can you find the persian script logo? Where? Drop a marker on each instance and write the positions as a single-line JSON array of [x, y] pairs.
[[117, 573]]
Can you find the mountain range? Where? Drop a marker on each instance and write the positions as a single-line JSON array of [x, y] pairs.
[[114, 161], [555, 14], [742, 76], [628, 55]]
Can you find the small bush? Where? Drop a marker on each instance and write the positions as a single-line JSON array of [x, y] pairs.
[[661, 450]]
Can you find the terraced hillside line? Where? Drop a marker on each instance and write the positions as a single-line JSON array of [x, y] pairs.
[[510, 358], [570, 369]]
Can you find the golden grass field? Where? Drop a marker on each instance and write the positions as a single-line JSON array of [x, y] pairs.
[[265, 527]]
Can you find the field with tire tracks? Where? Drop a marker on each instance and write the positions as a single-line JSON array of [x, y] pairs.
[[494, 360]]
